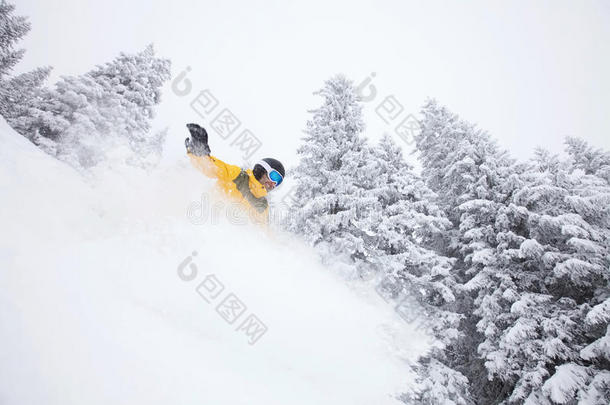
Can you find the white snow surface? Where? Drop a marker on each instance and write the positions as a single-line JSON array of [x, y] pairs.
[[92, 310]]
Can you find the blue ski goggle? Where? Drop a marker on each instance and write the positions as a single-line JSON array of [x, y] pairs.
[[273, 174]]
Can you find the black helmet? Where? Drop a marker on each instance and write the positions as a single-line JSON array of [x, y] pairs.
[[261, 167]]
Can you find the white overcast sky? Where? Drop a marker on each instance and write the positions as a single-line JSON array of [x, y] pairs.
[[529, 72]]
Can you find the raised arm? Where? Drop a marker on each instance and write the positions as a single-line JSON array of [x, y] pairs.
[[199, 152]]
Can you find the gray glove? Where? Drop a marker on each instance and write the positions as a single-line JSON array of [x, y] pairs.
[[197, 144]]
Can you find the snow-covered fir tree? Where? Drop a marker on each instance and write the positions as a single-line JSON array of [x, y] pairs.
[[12, 29], [108, 110], [531, 247], [367, 204], [589, 159], [17, 95], [468, 172], [559, 266], [135, 80], [16, 92], [333, 197], [409, 231], [596, 387]]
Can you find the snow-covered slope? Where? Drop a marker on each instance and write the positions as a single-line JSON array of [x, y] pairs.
[[93, 311]]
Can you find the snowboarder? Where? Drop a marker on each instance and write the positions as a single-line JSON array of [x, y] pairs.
[[249, 187]]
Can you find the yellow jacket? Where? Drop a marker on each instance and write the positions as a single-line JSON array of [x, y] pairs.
[[238, 184]]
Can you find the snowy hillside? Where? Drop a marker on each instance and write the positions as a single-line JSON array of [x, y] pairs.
[[93, 310]]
